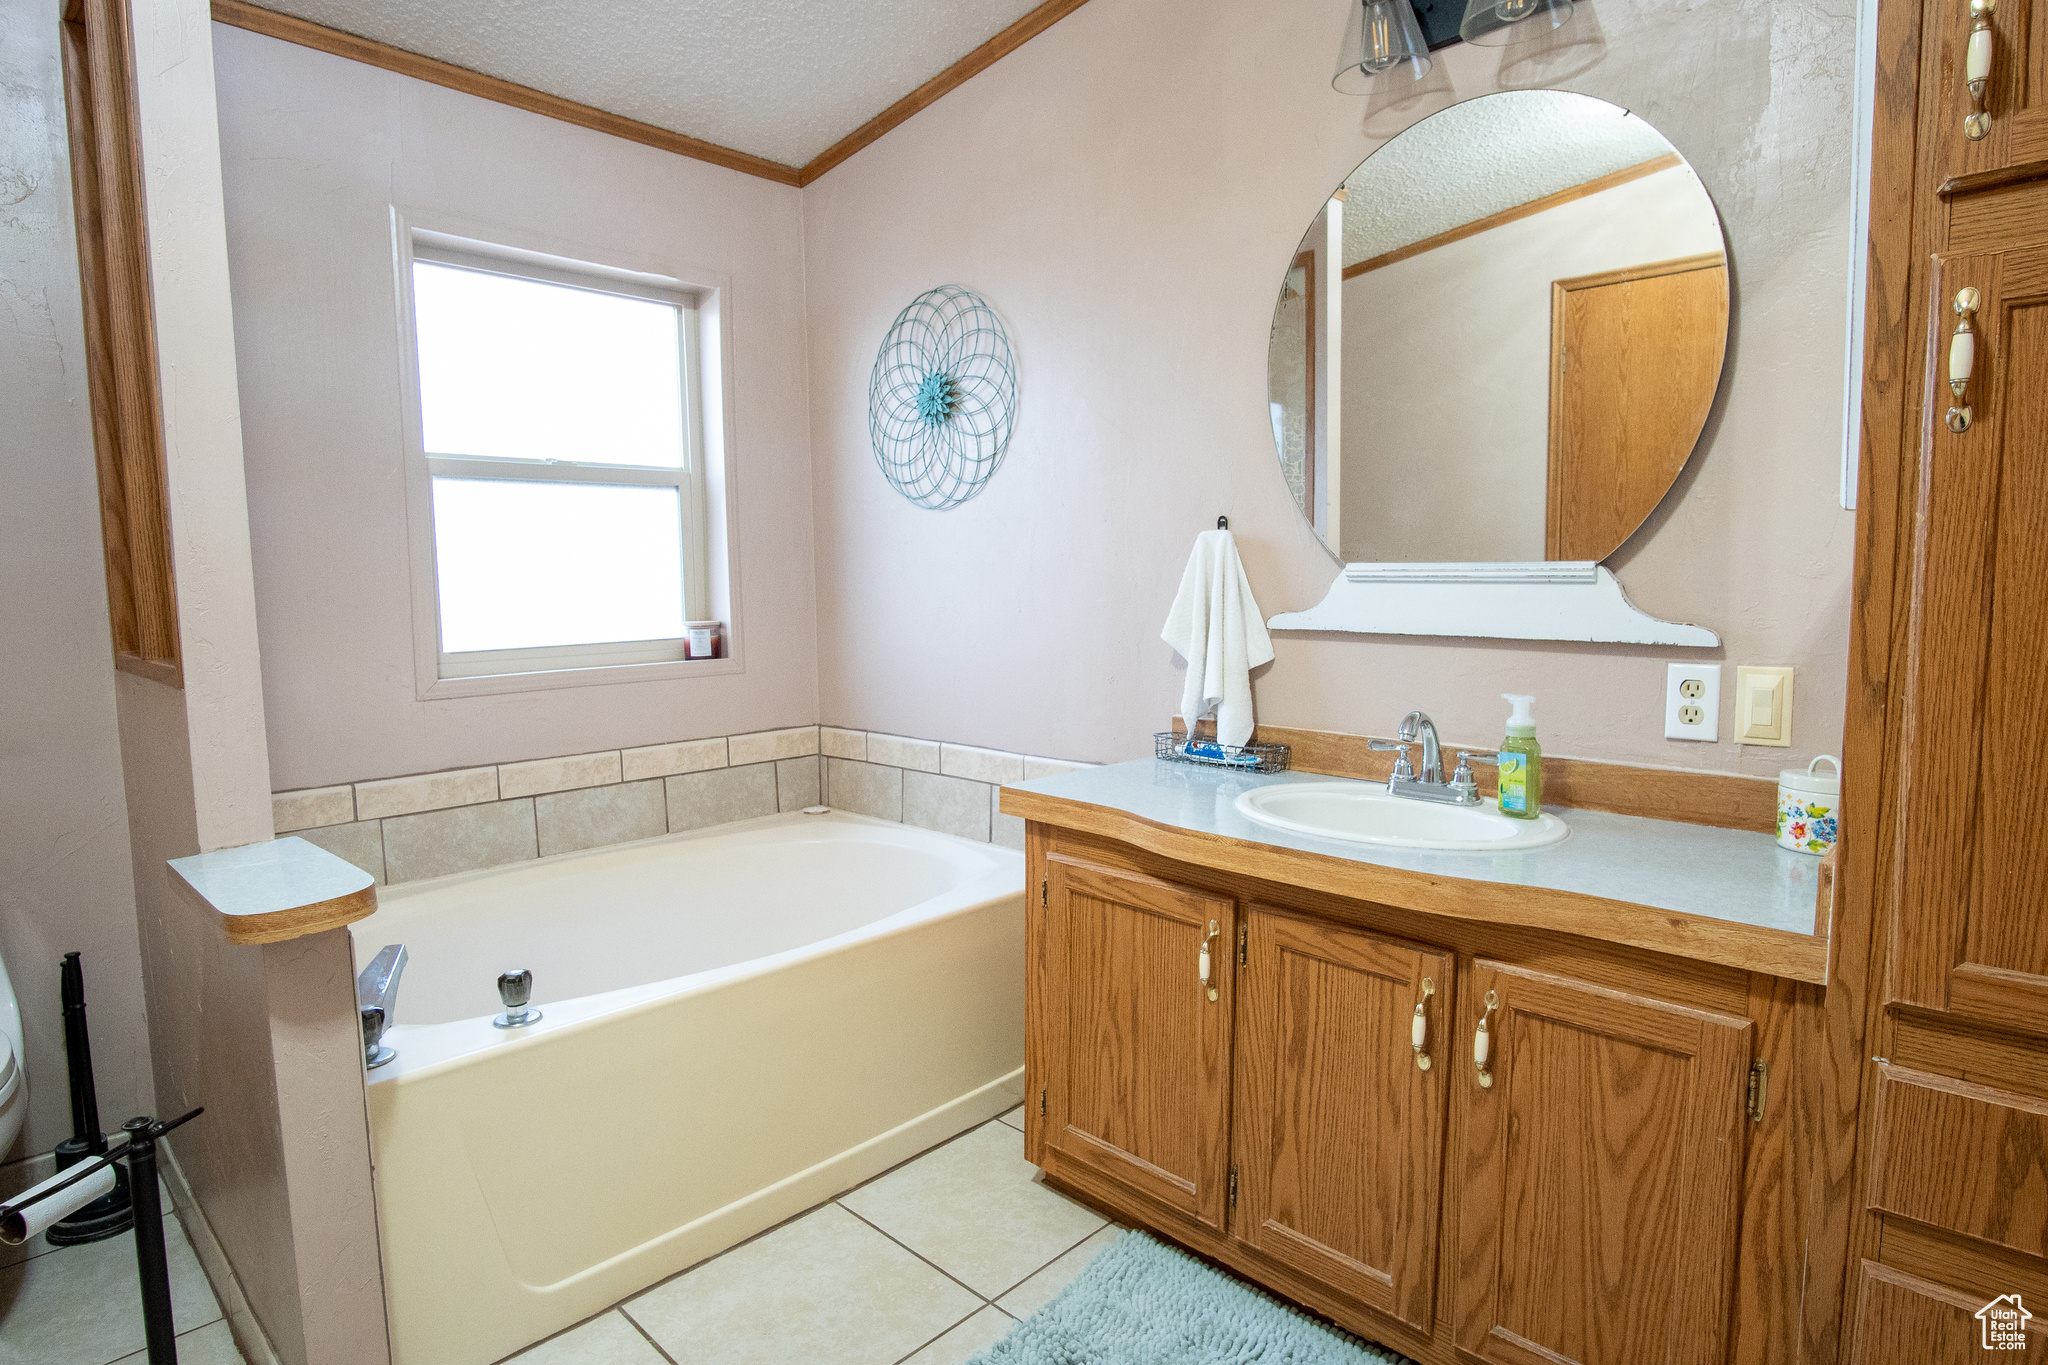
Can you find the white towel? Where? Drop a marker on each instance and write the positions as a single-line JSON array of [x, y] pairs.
[[1217, 628]]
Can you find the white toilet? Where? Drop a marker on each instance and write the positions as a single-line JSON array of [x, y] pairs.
[[13, 1071]]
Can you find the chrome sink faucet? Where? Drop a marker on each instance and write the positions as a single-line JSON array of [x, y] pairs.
[[1429, 784]]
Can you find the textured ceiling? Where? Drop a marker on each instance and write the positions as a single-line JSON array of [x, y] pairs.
[[1483, 156], [776, 78]]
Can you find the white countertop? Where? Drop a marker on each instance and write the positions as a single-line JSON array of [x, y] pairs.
[[1724, 874]]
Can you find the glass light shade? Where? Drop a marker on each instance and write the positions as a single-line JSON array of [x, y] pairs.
[[1382, 39], [1497, 23]]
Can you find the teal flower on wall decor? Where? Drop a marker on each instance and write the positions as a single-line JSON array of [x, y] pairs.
[[942, 398], [936, 395]]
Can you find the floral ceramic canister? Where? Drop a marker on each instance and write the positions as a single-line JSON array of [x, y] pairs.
[[1809, 804]]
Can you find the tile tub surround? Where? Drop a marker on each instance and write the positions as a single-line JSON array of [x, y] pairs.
[[926, 1264], [402, 829]]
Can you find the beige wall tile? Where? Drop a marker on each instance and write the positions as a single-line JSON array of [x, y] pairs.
[[898, 752], [1007, 830], [980, 765], [461, 839], [425, 791], [797, 783], [836, 743], [660, 760], [951, 805], [361, 843], [567, 821], [769, 745], [311, 808], [696, 800], [558, 774], [864, 788], [1049, 767]]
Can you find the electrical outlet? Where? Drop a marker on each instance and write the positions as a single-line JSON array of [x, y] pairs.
[[1692, 701]]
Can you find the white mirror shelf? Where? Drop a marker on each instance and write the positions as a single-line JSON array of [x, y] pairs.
[[1532, 601]]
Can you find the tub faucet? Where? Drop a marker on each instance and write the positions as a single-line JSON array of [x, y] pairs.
[[377, 999], [515, 988]]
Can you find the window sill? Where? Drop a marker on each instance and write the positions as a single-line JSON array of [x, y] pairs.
[[489, 684]]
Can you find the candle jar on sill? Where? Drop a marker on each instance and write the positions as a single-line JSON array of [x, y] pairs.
[[703, 640]]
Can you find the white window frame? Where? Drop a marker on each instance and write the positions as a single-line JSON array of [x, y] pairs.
[[707, 566]]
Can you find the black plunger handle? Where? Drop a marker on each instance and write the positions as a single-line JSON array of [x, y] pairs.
[[85, 1104]]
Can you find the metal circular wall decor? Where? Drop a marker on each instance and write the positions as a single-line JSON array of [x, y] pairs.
[[942, 398]]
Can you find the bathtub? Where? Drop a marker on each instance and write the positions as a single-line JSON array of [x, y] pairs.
[[737, 1024]]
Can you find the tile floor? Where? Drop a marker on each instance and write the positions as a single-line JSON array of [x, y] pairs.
[[924, 1265], [80, 1305]]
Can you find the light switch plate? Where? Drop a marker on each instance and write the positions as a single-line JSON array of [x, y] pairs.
[[1763, 706], [1692, 701]]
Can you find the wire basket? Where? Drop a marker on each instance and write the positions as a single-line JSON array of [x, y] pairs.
[[1251, 758]]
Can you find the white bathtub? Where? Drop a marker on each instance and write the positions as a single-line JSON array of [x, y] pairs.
[[738, 1023]]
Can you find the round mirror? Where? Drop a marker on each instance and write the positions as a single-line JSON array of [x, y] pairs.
[[1500, 338]]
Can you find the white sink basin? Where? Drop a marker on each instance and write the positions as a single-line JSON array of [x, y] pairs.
[[1365, 813]]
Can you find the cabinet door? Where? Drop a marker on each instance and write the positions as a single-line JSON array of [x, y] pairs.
[[1972, 896], [1136, 1050], [1602, 1156], [1902, 1319], [1340, 1128], [2015, 100]]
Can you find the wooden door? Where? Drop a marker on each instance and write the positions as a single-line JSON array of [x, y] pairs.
[[2014, 107], [1902, 1319], [1635, 359], [1339, 1132], [1136, 1052], [1972, 895], [1601, 1165]]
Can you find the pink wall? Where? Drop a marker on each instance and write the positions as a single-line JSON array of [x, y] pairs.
[[315, 150], [65, 882], [1126, 190]]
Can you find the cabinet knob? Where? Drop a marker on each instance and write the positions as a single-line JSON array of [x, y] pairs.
[[1418, 1032], [1977, 69]]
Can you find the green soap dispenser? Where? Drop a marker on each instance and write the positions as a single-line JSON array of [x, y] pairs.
[[1521, 762]]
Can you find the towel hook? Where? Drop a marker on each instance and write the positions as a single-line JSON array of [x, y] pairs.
[[1223, 523]]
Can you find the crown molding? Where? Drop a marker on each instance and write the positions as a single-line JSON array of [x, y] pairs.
[[333, 41]]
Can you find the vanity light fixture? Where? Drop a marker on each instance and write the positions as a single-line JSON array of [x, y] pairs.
[[1497, 23], [1382, 39]]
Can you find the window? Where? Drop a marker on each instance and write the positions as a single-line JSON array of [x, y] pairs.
[[559, 424]]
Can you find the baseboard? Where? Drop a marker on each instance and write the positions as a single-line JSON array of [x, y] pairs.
[[249, 1336]]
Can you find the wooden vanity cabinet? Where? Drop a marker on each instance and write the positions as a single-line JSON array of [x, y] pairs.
[[1133, 1051], [1338, 1128], [1602, 1169], [1577, 1198]]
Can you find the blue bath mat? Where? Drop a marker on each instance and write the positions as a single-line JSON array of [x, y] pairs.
[[1143, 1303]]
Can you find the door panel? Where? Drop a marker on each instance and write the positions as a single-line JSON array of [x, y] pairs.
[[1971, 899], [1340, 1131], [1902, 1319], [1635, 361], [1602, 1168], [2015, 95], [1137, 1072], [1966, 1157]]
